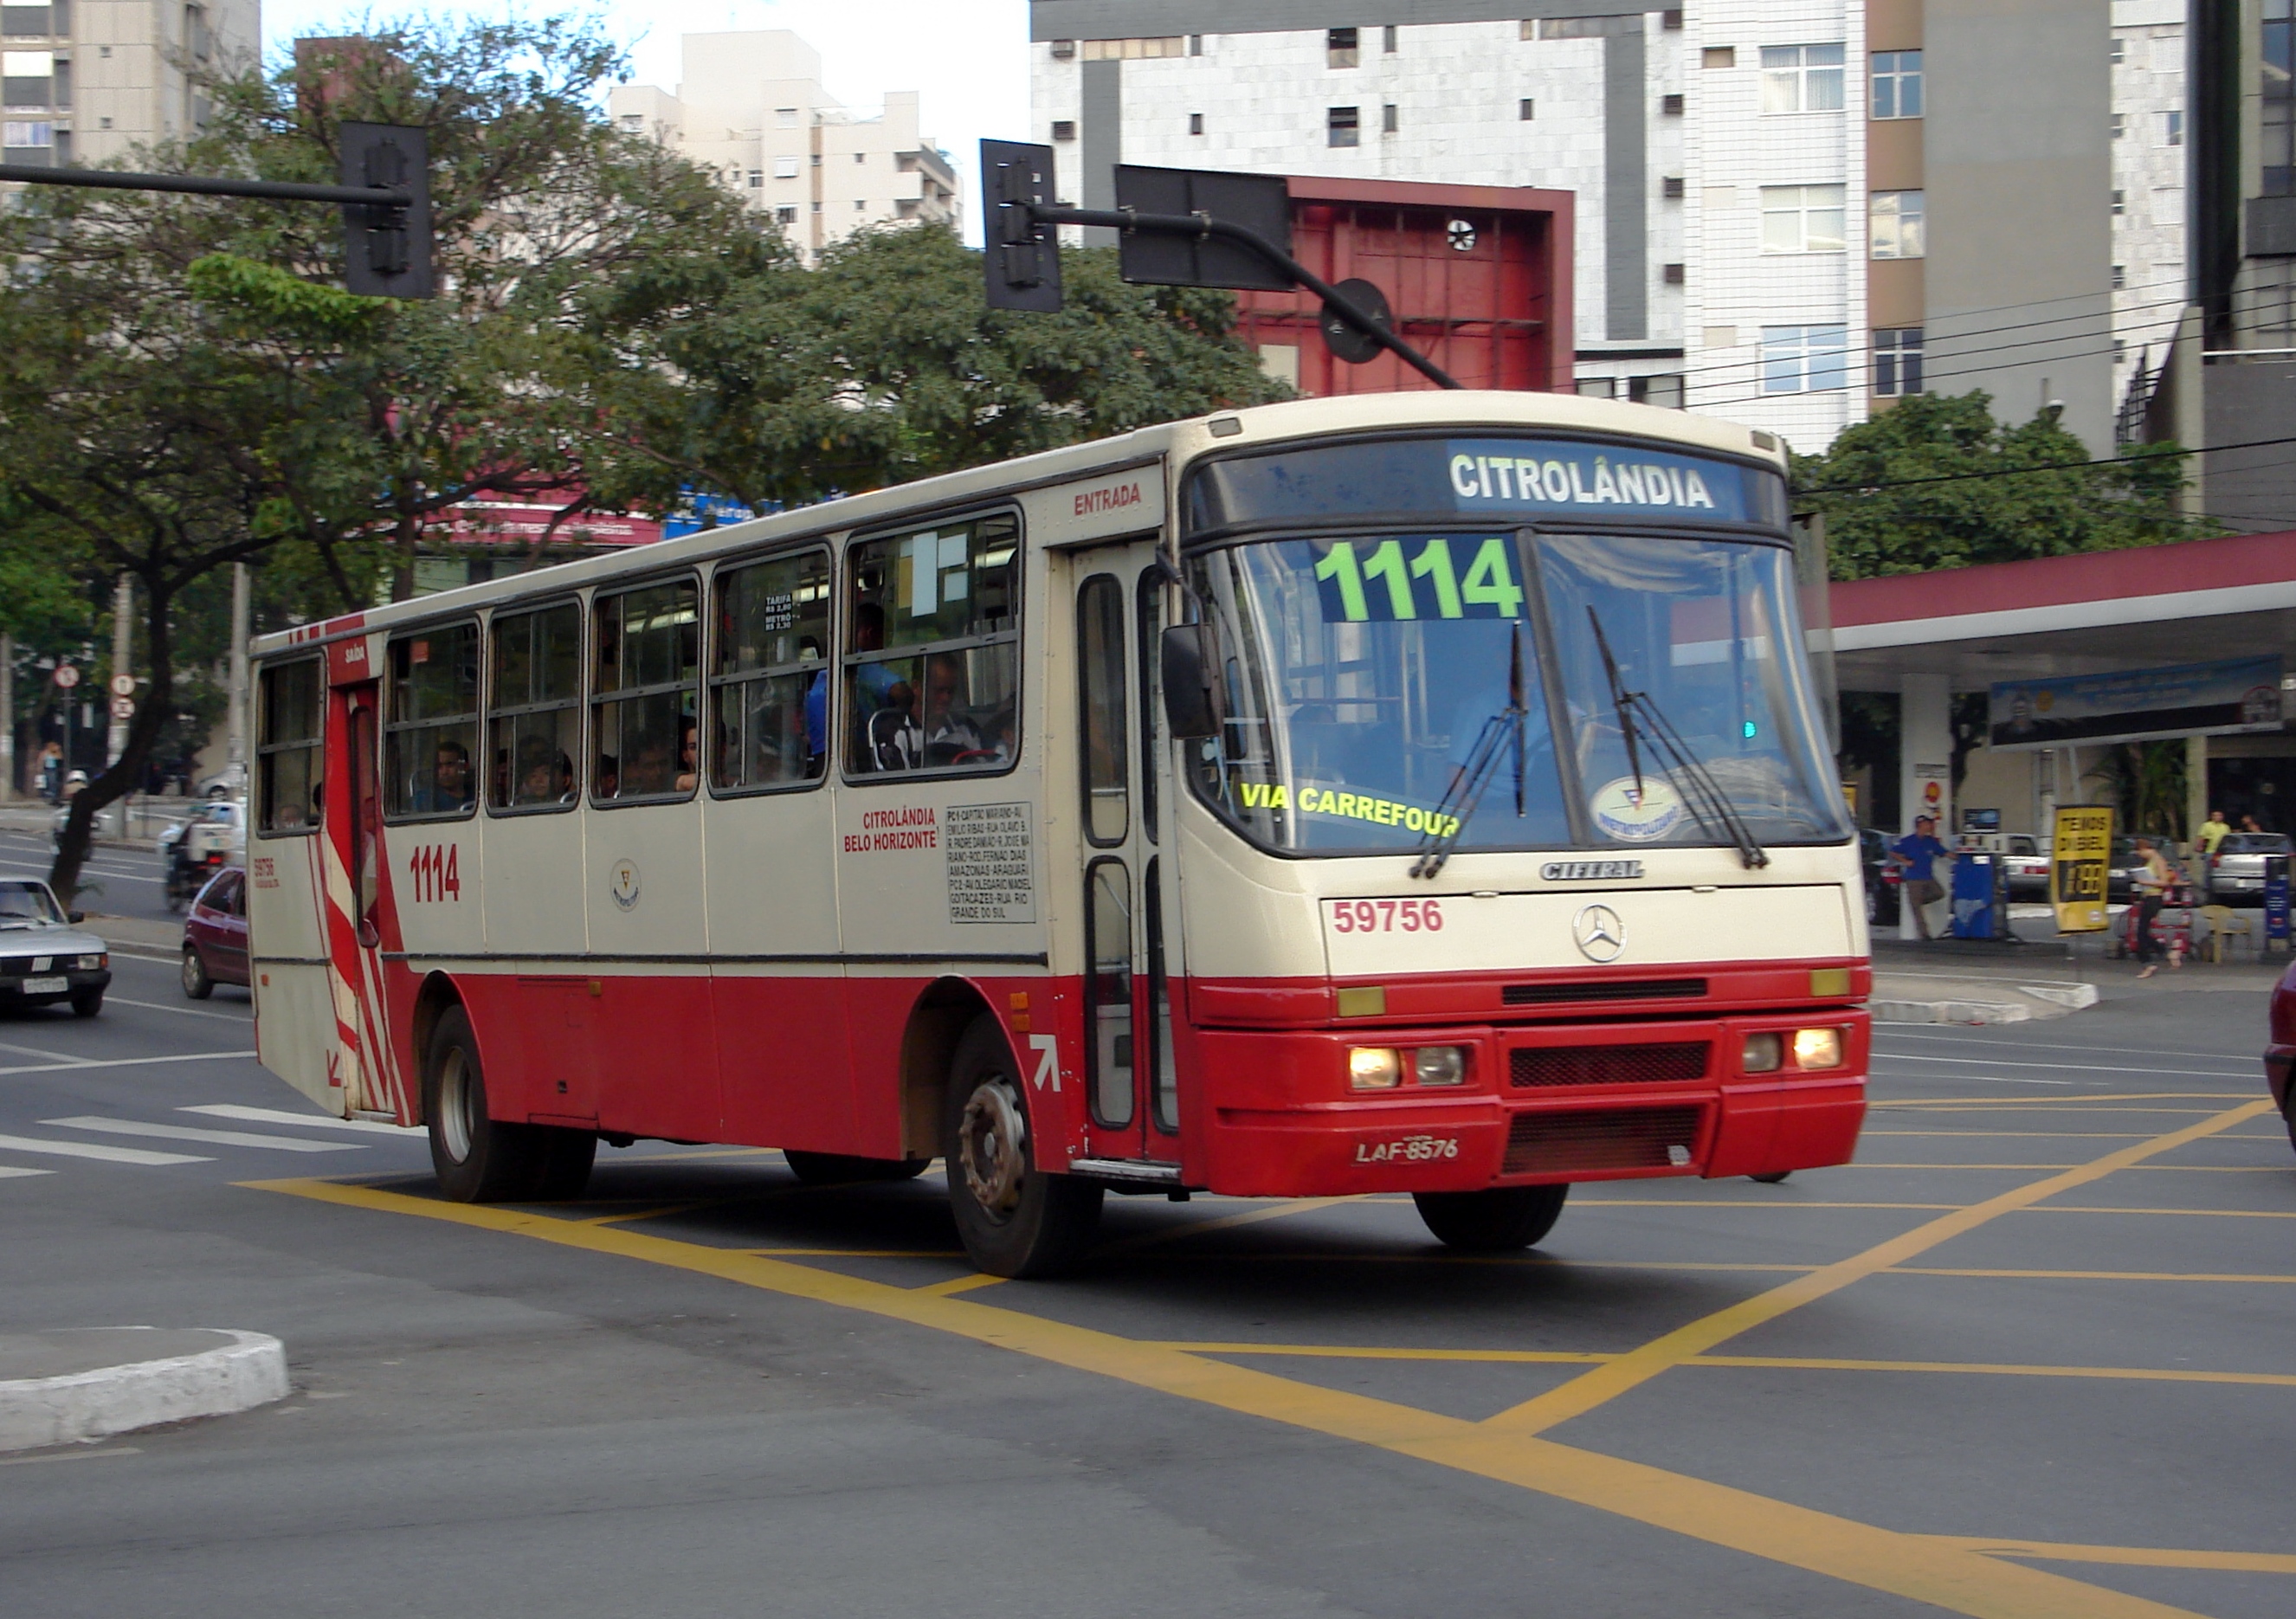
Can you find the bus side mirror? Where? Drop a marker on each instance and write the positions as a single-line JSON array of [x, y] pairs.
[[1188, 662]]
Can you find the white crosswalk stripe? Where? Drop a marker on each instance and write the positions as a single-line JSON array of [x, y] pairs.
[[90, 1149], [11, 1171], [213, 1138], [280, 1115]]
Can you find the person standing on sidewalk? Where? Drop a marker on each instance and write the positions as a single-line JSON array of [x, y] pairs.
[[1919, 852], [2154, 876], [2213, 831]]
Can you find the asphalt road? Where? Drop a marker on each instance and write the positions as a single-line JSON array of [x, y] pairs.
[[2029, 1357], [118, 880]]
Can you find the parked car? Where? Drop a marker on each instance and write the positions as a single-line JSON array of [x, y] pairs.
[[200, 845], [1882, 887], [45, 955], [2238, 877], [2281, 1053], [215, 934], [2028, 867]]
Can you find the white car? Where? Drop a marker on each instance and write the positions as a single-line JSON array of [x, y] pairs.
[[45, 955]]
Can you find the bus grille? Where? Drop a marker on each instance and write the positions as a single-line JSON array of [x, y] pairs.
[[1604, 989], [1623, 1138], [1646, 1064]]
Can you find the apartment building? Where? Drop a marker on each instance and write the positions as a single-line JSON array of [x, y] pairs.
[[1792, 212], [751, 106], [88, 80]]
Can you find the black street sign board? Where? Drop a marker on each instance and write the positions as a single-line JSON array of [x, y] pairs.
[[1258, 203], [387, 251], [1023, 256]]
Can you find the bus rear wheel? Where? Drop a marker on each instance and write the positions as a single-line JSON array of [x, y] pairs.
[[477, 1159], [1014, 1220], [1493, 1222], [842, 1169]]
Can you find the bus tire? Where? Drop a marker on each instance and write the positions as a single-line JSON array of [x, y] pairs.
[[842, 1169], [1493, 1222], [566, 1155], [1013, 1219], [476, 1158]]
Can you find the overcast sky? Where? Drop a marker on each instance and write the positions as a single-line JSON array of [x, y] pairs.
[[968, 58]]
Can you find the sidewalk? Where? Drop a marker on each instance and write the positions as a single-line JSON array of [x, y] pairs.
[[147, 816], [78, 1385]]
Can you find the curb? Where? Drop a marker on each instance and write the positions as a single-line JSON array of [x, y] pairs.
[[1948, 1012], [248, 1371]]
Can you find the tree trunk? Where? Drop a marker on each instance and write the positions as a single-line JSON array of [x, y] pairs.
[[117, 782]]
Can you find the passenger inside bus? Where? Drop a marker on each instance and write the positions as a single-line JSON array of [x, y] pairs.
[[449, 788], [608, 776], [649, 772]]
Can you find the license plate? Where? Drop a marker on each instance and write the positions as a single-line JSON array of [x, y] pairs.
[[46, 986]]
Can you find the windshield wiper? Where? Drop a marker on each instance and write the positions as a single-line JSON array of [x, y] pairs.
[[1465, 792], [1708, 803]]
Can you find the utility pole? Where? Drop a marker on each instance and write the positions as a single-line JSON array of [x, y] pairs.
[[7, 718], [122, 706], [236, 748]]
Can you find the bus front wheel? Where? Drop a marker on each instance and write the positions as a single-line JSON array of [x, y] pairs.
[[1492, 1221], [1014, 1220], [477, 1159]]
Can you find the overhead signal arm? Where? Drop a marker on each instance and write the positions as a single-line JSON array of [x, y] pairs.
[[1024, 262]]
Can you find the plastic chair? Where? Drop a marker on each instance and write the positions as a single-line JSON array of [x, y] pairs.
[[2224, 922]]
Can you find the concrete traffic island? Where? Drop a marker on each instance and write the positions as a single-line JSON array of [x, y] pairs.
[[85, 1383]]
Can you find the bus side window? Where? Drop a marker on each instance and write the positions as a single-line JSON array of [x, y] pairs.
[[287, 748], [642, 718], [769, 678], [431, 731], [534, 708], [931, 663]]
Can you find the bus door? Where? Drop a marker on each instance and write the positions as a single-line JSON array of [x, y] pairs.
[[1119, 609], [355, 942]]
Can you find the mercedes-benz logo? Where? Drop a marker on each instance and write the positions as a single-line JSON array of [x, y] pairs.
[[1599, 933]]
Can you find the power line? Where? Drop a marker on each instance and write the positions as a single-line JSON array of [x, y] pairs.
[[2055, 466]]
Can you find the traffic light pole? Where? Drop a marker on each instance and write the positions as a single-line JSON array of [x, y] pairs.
[[202, 185], [1130, 219]]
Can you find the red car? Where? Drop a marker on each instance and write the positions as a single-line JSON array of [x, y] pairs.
[[2281, 1053], [215, 934]]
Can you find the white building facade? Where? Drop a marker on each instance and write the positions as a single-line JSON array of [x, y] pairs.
[[87, 80], [751, 106], [1758, 182]]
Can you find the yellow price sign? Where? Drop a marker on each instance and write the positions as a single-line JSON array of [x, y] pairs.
[[2080, 867]]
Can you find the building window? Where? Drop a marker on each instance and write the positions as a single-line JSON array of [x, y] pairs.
[[2119, 52], [1135, 50], [1670, 106], [1195, 123], [1897, 83], [2119, 277], [1801, 79], [1526, 108], [1804, 359], [2277, 116], [1718, 56], [859, 207], [1895, 217], [26, 77], [1672, 274], [1063, 50], [860, 157], [1896, 361], [2120, 203], [785, 166], [21, 21], [1386, 39], [1387, 124], [2169, 205], [633, 122], [29, 142], [785, 215], [1344, 127], [2120, 125], [757, 178], [1671, 20], [2172, 128], [1584, 28], [1340, 48], [785, 116], [1663, 389], [1064, 129], [1671, 187], [1598, 387], [1802, 219], [1195, 45]]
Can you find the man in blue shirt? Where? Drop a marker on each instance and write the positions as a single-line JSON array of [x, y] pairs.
[[1918, 854]]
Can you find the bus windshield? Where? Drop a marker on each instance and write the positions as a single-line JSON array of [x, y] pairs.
[[1359, 675]]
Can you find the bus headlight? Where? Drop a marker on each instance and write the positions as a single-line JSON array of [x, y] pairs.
[[1374, 1067], [1762, 1054], [1816, 1047], [1439, 1066]]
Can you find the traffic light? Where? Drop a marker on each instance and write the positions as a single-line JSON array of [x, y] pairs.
[[1023, 255], [387, 251]]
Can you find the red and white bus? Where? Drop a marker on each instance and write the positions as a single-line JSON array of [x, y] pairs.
[[1416, 792]]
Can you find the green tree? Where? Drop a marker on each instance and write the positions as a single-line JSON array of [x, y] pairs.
[[1899, 496], [774, 383]]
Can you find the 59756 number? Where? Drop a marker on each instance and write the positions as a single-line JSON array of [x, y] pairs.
[[1387, 915]]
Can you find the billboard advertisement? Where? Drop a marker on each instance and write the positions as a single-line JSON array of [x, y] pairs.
[[2138, 704]]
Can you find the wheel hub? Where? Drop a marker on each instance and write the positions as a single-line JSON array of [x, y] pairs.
[[455, 1107], [992, 1142]]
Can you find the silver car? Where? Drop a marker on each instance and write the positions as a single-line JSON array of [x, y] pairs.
[[2238, 875], [45, 956]]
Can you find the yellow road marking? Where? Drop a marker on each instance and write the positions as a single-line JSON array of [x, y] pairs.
[[1785, 1200], [2092, 1100], [614, 1219], [1590, 1389], [1941, 1573], [1345, 1352], [2138, 1556], [2134, 1169], [1994, 1134], [2096, 1275], [1248, 1217], [2134, 1374], [855, 1252], [2067, 1208], [961, 1284]]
